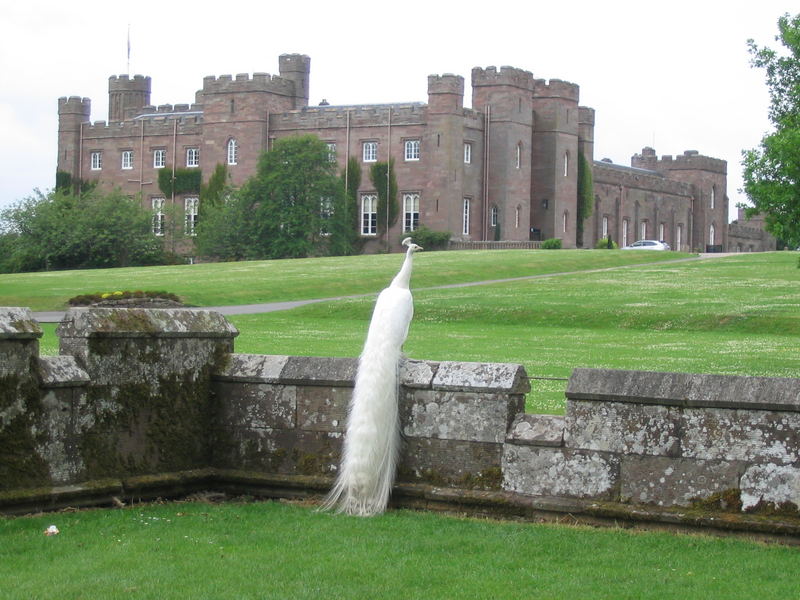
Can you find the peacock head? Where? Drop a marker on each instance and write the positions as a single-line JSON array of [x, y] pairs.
[[411, 245]]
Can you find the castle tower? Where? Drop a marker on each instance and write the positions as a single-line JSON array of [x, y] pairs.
[[555, 159], [126, 96], [297, 68], [504, 97], [72, 113], [709, 178], [446, 184]]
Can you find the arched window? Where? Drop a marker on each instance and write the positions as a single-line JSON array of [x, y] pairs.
[[233, 152], [410, 211], [605, 228], [465, 222], [516, 217], [643, 227], [711, 235], [564, 221], [518, 156], [625, 232], [566, 164], [713, 197], [679, 237], [495, 211]]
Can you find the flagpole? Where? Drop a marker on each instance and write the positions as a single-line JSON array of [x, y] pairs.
[[129, 49]]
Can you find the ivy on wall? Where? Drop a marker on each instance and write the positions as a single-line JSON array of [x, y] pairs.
[[186, 181]]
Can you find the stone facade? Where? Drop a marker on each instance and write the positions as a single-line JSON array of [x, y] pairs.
[[504, 169], [154, 402]]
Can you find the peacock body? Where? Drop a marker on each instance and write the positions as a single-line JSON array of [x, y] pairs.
[[372, 435]]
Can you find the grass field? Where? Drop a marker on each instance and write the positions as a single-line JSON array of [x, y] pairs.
[[737, 315], [274, 550]]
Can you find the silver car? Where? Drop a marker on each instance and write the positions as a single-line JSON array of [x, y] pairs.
[[648, 245]]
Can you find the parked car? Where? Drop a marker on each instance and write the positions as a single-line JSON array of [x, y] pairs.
[[648, 245]]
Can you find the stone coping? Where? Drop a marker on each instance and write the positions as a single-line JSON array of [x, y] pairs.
[[494, 504], [18, 323], [688, 390], [418, 374], [142, 322]]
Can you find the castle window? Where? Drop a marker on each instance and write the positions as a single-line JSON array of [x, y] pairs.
[[493, 216], [713, 197], [127, 159], [97, 161], [370, 151], [193, 157], [661, 232], [604, 234], [233, 152], [159, 158], [516, 217], [190, 216], [711, 235], [331, 151], [412, 149], [465, 220], [566, 164], [325, 214], [679, 237], [158, 216], [565, 221], [467, 153], [410, 212], [369, 214], [624, 232], [518, 156], [643, 230]]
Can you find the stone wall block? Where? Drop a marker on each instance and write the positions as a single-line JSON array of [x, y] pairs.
[[481, 377], [458, 415], [777, 484], [417, 373], [451, 462], [537, 430], [19, 341], [256, 405], [252, 368], [623, 427], [62, 426], [309, 370], [669, 481], [537, 471], [322, 408], [748, 435]]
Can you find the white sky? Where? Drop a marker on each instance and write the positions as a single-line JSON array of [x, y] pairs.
[[672, 75]]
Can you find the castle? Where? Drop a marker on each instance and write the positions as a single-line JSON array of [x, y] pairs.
[[505, 169]]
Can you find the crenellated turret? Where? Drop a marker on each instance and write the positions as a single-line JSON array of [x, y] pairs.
[[445, 93], [297, 68], [126, 96], [73, 112]]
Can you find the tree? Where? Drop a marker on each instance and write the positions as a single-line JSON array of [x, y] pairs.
[[344, 238], [62, 231], [283, 211], [772, 171]]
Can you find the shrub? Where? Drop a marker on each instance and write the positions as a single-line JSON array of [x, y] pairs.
[[429, 239], [606, 244], [89, 299], [552, 244]]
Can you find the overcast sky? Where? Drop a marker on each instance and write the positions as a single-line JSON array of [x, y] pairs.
[[671, 75]]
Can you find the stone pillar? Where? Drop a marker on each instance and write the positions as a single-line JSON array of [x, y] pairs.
[[149, 407]]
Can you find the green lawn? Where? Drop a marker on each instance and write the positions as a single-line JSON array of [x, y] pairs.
[[217, 284], [274, 550]]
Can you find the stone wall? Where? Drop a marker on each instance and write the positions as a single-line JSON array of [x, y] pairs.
[[154, 402]]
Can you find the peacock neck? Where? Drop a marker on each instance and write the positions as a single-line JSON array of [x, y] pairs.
[[403, 278]]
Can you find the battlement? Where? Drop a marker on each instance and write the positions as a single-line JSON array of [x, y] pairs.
[[507, 76], [294, 63], [168, 110], [586, 115], [243, 82], [75, 105], [606, 172], [124, 83], [446, 84], [556, 88], [689, 160]]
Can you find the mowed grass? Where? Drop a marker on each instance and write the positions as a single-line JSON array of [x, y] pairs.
[[250, 282], [275, 550]]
